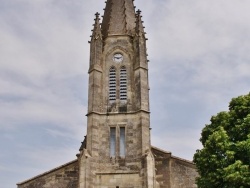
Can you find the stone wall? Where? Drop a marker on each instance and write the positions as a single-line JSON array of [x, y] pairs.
[[98, 140], [173, 172], [118, 180], [182, 174], [65, 176]]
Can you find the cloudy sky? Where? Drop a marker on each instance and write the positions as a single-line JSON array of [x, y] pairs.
[[199, 52]]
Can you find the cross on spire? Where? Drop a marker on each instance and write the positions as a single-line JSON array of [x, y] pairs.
[[138, 12], [97, 14]]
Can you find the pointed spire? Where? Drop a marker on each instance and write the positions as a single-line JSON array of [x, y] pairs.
[[97, 29], [95, 45], [119, 18], [139, 29], [140, 42]]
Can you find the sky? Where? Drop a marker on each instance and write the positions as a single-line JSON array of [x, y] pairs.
[[199, 60]]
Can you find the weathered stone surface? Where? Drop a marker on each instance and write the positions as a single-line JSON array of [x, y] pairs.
[[173, 172], [65, 176], [182, 174], [119, 18], [170, 172]]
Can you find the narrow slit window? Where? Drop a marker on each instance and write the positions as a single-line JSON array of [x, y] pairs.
[[122, 141], [112, 84], [123, 83], [112, 141]]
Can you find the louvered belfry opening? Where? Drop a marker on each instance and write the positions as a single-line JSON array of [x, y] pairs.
[[123, 83], [112, 84]]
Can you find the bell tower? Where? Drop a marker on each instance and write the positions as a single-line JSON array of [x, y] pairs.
[[117, 150]]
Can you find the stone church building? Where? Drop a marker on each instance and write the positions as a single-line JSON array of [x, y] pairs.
[[117, 153]]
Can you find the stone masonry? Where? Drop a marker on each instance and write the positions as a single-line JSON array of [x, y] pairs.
[[117, 151], [65, 176]]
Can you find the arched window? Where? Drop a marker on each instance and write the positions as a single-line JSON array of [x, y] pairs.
[[117, 141], [112, 84], [123, 83]]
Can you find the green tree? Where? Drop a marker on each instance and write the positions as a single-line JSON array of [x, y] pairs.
[[224, 161]]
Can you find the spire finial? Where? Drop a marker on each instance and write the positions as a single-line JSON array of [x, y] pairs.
[[97, 30], [97, 15], [139, 24], [138, 12]]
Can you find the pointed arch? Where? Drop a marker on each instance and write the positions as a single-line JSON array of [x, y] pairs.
[[119, 49], [123, 83], [112, 84]]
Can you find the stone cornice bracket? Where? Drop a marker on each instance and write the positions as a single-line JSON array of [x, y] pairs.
[[86, 153], [146, 153]]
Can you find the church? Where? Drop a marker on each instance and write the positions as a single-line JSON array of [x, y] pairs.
[[117, 151]]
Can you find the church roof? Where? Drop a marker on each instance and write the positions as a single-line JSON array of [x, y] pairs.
[[49, 172], [189, 163], [119, 18], [154, 150]]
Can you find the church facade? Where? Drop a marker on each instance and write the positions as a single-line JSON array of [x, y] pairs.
[[117, 152]]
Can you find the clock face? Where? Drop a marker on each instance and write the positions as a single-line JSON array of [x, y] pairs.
[[118, 58]]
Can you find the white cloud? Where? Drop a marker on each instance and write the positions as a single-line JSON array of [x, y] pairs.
[[191, 29]]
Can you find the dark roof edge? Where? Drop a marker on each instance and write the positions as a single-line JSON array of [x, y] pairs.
[[161, 150], [45, 173], [172, 156]]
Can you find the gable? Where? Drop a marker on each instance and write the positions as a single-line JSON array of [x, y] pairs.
[[65, 176]]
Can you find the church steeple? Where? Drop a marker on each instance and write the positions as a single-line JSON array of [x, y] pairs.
[[119, 18], [118, 130], [116, 151]]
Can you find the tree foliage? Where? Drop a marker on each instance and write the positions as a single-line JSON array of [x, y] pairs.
[[224, 161]]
